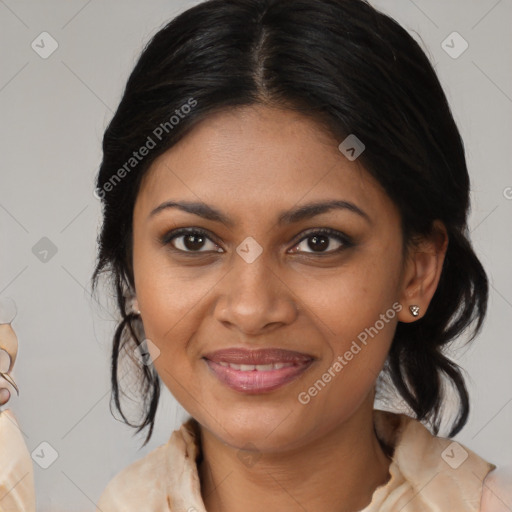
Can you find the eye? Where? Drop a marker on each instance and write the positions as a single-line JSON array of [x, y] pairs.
[[190, 240], [320, 241], [195, 240]]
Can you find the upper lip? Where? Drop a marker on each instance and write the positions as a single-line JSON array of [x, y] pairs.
[[257, 356]]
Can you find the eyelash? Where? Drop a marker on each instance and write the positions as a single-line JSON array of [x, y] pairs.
[[344, 239]]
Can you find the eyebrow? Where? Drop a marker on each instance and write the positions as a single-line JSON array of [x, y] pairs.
[[298, 214]]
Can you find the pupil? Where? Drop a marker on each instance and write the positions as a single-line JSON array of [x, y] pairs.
[[322, 241], [191, 245]]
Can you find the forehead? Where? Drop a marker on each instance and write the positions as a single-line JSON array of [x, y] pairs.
[[257, 159]]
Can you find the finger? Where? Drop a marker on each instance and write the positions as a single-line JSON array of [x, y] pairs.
[[9, 342], [5, 395], [5, 379]]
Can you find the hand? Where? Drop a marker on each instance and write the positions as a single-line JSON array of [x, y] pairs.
[[8, 352], [17, 490], [5, 394]]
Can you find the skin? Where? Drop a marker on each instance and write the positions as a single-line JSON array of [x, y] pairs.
[[8, 353], [253, 163]]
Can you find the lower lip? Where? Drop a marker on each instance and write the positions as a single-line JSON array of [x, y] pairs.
[[254, 381]]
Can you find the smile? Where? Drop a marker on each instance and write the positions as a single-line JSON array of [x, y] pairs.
[[257, 367], [257, 371]]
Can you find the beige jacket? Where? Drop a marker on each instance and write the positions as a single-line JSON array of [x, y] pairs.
[[428, 474]]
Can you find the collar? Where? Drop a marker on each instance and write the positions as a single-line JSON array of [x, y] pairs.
[[427, 473]]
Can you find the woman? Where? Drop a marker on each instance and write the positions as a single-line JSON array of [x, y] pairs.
[[285, 202]]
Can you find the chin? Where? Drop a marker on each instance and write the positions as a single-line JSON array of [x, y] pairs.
[[267, 427]]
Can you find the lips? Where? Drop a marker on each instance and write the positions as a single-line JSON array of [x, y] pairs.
[[262, 356], [259, 370]]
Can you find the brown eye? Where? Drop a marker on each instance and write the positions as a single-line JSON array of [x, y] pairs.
[[320, 242], [190, 240]]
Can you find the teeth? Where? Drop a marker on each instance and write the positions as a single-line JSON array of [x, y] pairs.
[[264, 367], [257, 367]]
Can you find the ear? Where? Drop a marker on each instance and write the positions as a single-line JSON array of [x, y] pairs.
[[422, 272], [133, 304]]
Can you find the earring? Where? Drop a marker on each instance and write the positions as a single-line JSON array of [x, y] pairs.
[[415, 310]]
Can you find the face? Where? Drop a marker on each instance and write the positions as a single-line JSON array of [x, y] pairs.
[[252, 270]]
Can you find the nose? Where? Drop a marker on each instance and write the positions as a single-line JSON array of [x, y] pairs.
[[254, 299]]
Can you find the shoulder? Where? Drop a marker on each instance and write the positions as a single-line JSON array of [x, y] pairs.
[[139, 486], [167, 472], [497, 490], [438, 473]]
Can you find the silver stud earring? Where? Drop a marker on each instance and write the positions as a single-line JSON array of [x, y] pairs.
[[415, 310]]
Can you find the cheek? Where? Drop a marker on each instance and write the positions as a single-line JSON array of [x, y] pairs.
[[169, 309], [359, 342], [351, 298], [355, 309], [172, 304], [168, 294]]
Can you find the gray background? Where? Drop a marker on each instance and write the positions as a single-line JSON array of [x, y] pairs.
[[53, 114]]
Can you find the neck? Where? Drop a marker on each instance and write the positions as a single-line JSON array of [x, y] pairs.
[[337, 472]]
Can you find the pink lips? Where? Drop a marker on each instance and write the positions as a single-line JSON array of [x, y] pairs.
[[257, 371]]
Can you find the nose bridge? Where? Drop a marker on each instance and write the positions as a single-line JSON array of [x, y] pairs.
[[251, 279], [253, 296], [251, 263]]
